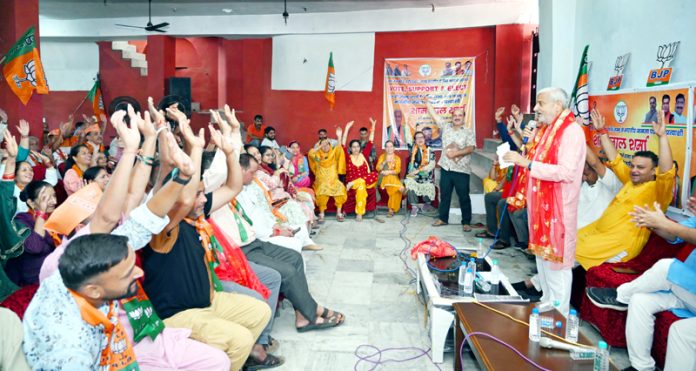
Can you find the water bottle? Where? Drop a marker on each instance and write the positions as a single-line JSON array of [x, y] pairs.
[[469, 283], [534, 328], [480, 250], [495, 277], [472, 265], [461, 278], [572, 326], [601, 358]]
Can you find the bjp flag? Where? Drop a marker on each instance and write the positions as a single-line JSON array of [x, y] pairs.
[[579, 98], [95, 96], [23, 70], [330, 87]]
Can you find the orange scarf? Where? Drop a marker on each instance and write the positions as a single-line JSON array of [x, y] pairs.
[[547, 231], [518, 201], [425, 155], [275, 210], [77, 170], [211, 246], [122, 356]]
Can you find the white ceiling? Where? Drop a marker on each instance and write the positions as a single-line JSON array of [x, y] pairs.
[[163, 9]]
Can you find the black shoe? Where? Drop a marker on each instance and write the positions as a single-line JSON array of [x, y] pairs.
[[520, 286], [605, 298], [521, 246], [499, 245]]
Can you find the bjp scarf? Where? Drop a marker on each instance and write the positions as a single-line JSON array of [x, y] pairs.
[[547, 231], [518, 201], [211, 245], [275, 210], [142, 316], [420, 156], [118, 353], [234, 265], [77, 170]]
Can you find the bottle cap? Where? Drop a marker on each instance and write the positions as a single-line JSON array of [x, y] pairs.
[[472, 260], [556, 303], [602, 345], [468, 270], [535, 310], [495, 261], [573, 312]]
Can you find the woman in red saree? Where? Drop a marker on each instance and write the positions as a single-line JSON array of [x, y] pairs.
[[359, 177]]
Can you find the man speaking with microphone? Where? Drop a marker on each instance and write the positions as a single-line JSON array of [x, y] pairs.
[[550, 179]]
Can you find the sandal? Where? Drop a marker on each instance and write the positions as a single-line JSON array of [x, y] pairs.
[[272, 346], [390, 214], [483, 234], [478, 225], [466, 228], [332, 321], [439, 223], [325, 315], [271, 361], [340, 217], [321, 219]]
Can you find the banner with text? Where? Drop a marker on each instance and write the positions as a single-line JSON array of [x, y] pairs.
[[448, 83], [629, 118]]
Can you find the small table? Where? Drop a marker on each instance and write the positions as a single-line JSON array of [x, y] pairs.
[[492, 355], [440, 312]]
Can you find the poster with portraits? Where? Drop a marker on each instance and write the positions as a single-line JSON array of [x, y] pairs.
[[629, 118], [409, 84]]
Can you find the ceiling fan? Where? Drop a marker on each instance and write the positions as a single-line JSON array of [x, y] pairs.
[[149, 27]]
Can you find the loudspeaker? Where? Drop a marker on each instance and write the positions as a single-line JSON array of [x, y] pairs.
[[180, 87]]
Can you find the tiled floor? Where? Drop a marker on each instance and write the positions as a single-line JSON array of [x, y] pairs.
[[359, 273]]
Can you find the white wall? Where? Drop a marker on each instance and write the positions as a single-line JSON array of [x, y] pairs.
[[411, 19], [613, 28], [300, 61], [70, 65]]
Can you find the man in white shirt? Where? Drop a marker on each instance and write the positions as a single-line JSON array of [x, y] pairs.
[[269, 138]]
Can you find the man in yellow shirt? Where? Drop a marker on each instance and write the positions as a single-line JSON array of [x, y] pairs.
[[648, 179]]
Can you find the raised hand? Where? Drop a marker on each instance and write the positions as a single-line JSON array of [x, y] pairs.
[[232, 118], [373, 122], [10, 145], [130, 136], [23, 128], [339, 132], [597, 120], [220, 140], [511, 123], [516, 112], [146, 127], [660, 128], [499, 114], [179, 158], [349, 125], [155, 115], [224, 126]]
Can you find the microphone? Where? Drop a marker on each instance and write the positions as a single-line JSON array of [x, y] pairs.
[[553, 344], [531, 125]]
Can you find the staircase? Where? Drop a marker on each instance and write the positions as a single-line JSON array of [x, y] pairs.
[[128, 52], [481, 161]]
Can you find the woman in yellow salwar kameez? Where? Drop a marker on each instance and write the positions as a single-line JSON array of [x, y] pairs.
[[389, 167], [327, 163]]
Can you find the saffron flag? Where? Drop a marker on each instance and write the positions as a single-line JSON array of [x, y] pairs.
[[330, 87], [95, 96], [579, 99], [23, 70]]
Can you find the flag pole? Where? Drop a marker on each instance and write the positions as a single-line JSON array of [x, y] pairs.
[[83, 99]]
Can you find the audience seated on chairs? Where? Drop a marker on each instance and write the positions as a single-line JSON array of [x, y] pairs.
[[327, 162], [389, 169], [669, 285], [308, 314], [41, 199], [649, 179], [420, 176]]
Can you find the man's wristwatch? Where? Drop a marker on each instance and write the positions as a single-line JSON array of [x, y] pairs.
[[529, 167]]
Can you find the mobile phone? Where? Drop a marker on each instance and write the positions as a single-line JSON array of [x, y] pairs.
[[624, 270]]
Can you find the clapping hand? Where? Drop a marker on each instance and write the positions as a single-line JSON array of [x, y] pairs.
[[646, 218], [156, 115], [232, 118], [130, 136], [179, 158], [516, 113], [220, 140], [10, 145], [186, 131]]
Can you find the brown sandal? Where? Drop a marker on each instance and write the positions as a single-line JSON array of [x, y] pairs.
[[340, 217]]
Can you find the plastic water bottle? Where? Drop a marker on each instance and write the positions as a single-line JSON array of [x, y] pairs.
[[572, 326], [534, 328], [495, 277], [601, 358], [480, 250], [472, 265], [469, 283], [461, 278]]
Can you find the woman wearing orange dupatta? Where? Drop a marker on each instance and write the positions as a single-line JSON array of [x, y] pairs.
[[80, 159], [553, 184]]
